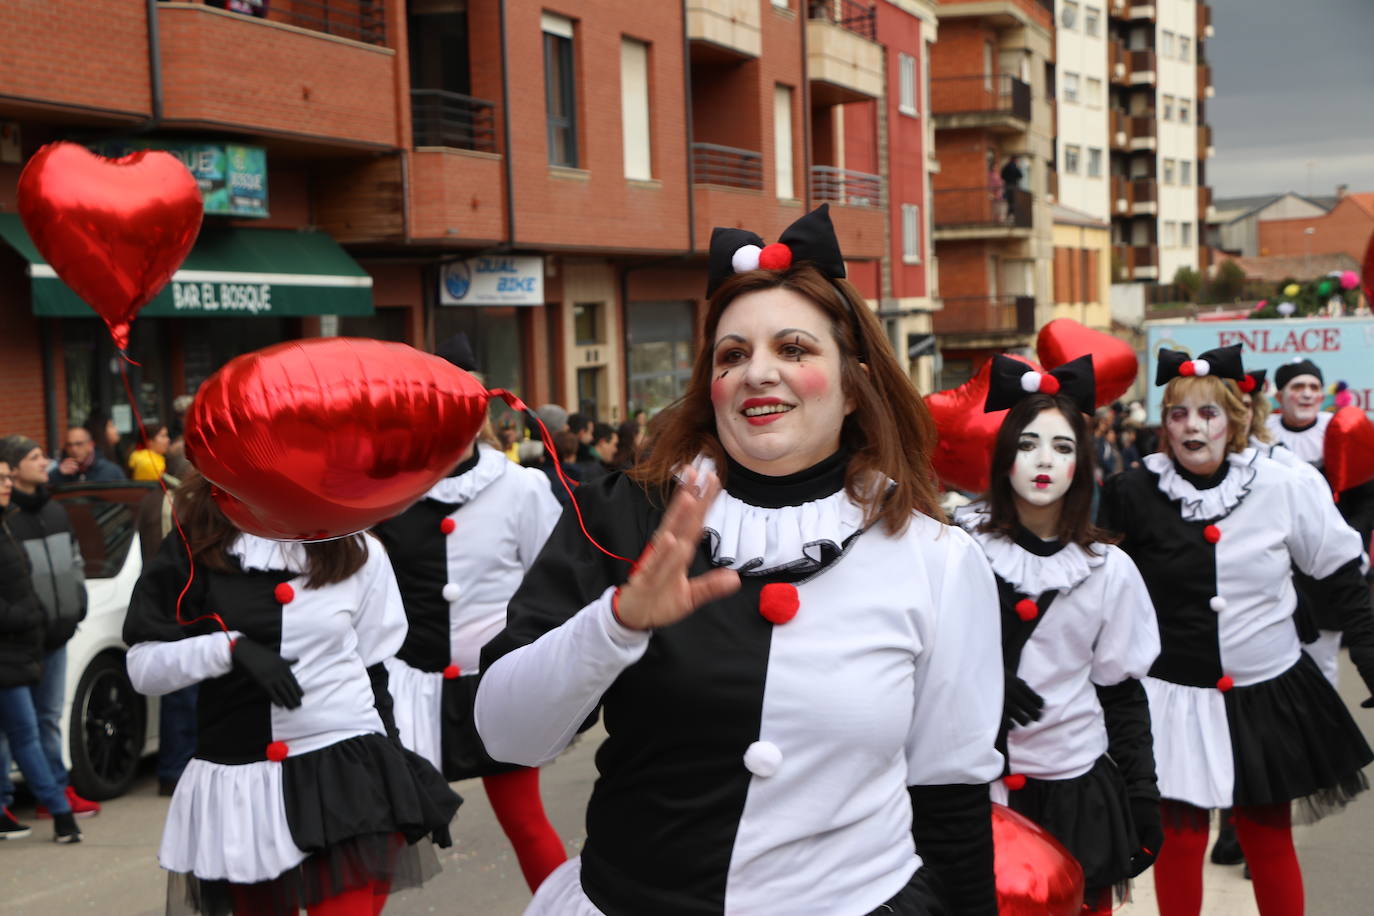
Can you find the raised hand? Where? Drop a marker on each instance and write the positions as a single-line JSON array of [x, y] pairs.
[[659, 592]]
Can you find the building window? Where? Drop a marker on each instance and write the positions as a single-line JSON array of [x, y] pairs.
[[659, 339], [1168, 107], [1170, 233], [1185, 110], [906, 84], [634, 107], [1166, 43], [1068, 16], [1169, 166], [1186, 234], [1092, 92], [1094, 162], [1185, 48], [1185, 172], [1070, 87], [782, 142], [911, 233], [560, 93], [1072, 154], [587, 325], [1092, 21]]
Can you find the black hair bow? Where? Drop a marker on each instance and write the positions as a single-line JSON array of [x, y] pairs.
[[1223, 362], [1253, 381], [811, 238], [1011, 380]]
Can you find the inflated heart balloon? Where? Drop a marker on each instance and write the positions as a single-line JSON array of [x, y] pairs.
[[1036, 875], [1114, 362], [323, 437], [1367, 270], [114, 230], [963, 454], [1349, 449]]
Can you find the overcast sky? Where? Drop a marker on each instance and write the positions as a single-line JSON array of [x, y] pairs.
[[1294, 85]]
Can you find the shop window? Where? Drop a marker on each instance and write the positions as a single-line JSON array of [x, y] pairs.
[[659, 343], [560, 91], [588, 326], [589, 391], [496, 337]]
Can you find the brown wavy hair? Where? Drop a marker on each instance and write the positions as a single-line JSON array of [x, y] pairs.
[[1260, 409], [1227, 396], [890, 432], [1075, 515], [210, 534]]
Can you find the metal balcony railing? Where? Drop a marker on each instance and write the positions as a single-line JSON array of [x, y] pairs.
[[859, 18], [1001, 94], [441, 118], [846, 187], [360, 20], [961, 208], [726, 165], [974, 315]]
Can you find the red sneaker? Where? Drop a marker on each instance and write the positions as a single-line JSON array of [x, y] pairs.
[[80, 807]]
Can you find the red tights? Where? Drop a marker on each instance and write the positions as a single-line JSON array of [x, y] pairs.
[[515, 800], [1265, 833], [367, 900]]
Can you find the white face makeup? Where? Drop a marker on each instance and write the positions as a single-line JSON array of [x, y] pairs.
[[1046, 458], [1300, 400], [775, 384], [1197, 428]]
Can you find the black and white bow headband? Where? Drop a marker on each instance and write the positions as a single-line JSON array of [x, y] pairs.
[[811, 238], [1012, 380], [1223, 362]]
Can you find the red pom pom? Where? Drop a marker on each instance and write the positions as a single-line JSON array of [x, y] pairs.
[[1027, 609], [776, 256], [1048, 384], [1211, 534], [276, 751], [451, 672], [778, 601], [1225, 683], [1015, 782], [447, 526], [1247, 384], [284, 593], [1187, 368]]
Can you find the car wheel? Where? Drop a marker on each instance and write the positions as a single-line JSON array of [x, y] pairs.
[[108, 725]]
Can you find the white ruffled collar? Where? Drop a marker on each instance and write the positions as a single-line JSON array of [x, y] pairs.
[[266, 555], [758, 541], [462, 489], [1214, 503], [1029, 573]]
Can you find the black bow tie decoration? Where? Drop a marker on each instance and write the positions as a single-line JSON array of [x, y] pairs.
[[1223, 362], [1012, 380], [811, 238], [1253, 381]]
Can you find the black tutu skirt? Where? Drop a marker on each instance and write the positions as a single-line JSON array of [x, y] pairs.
[[1091, 816], [461, 750], [1293, 740], [365, 810]]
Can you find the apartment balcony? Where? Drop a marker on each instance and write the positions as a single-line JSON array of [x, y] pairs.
[[844, 61], [1142, 68], [1119, 9], [980, 213], [998, 103], [1141, 11], [1204, 22], [1119, 130], [453, 120], [1142, 131], [1118, 63], [1205, 150], [984, 316], [1205, 208], [727, 166], [857, 207], [320, 72], [1204, 81], [725, 28], [1001, 14], [1144, 197], [1136, 262]]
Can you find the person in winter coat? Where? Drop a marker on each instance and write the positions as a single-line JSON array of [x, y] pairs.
[[21, 659], [43, 529], [81, 461]]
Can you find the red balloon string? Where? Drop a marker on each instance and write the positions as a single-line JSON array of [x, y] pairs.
[[544, 436], [166, 494]]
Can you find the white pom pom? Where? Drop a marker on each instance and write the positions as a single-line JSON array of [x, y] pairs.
[[451, 592], [1218, 604], [1030, 381], [1201, 367], [762, 759], [745, 258]]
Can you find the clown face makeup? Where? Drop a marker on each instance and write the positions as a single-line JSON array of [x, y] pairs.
[[1197, 428], [1300, 400], [1046, 458], [775, 383]]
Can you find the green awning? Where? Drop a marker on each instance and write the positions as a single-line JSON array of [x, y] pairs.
[[229, 272]]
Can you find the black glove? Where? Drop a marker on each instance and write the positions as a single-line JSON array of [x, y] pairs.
[[269, 671], [1368, 704], [1023, 705], [1149, 833]]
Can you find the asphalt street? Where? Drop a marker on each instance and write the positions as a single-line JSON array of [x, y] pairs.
[[115, 873]]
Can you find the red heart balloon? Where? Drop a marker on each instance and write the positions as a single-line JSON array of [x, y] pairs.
[[114, 230], [323, 437], [1368, 270], [1114, 362], [963, 454], [1349, 449], [1036, 875]]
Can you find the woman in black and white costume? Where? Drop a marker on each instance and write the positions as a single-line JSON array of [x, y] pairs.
[[1078, 633], [296, 796], [800, 672], [1241, 716], [459, 554]]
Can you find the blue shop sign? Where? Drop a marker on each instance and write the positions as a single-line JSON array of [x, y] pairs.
[[493, 280]]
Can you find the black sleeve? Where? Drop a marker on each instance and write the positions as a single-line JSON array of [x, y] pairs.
[[381, 698], [1345, 594], [152, 606], [1111, 508], [1129, 740], [952, 827]]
